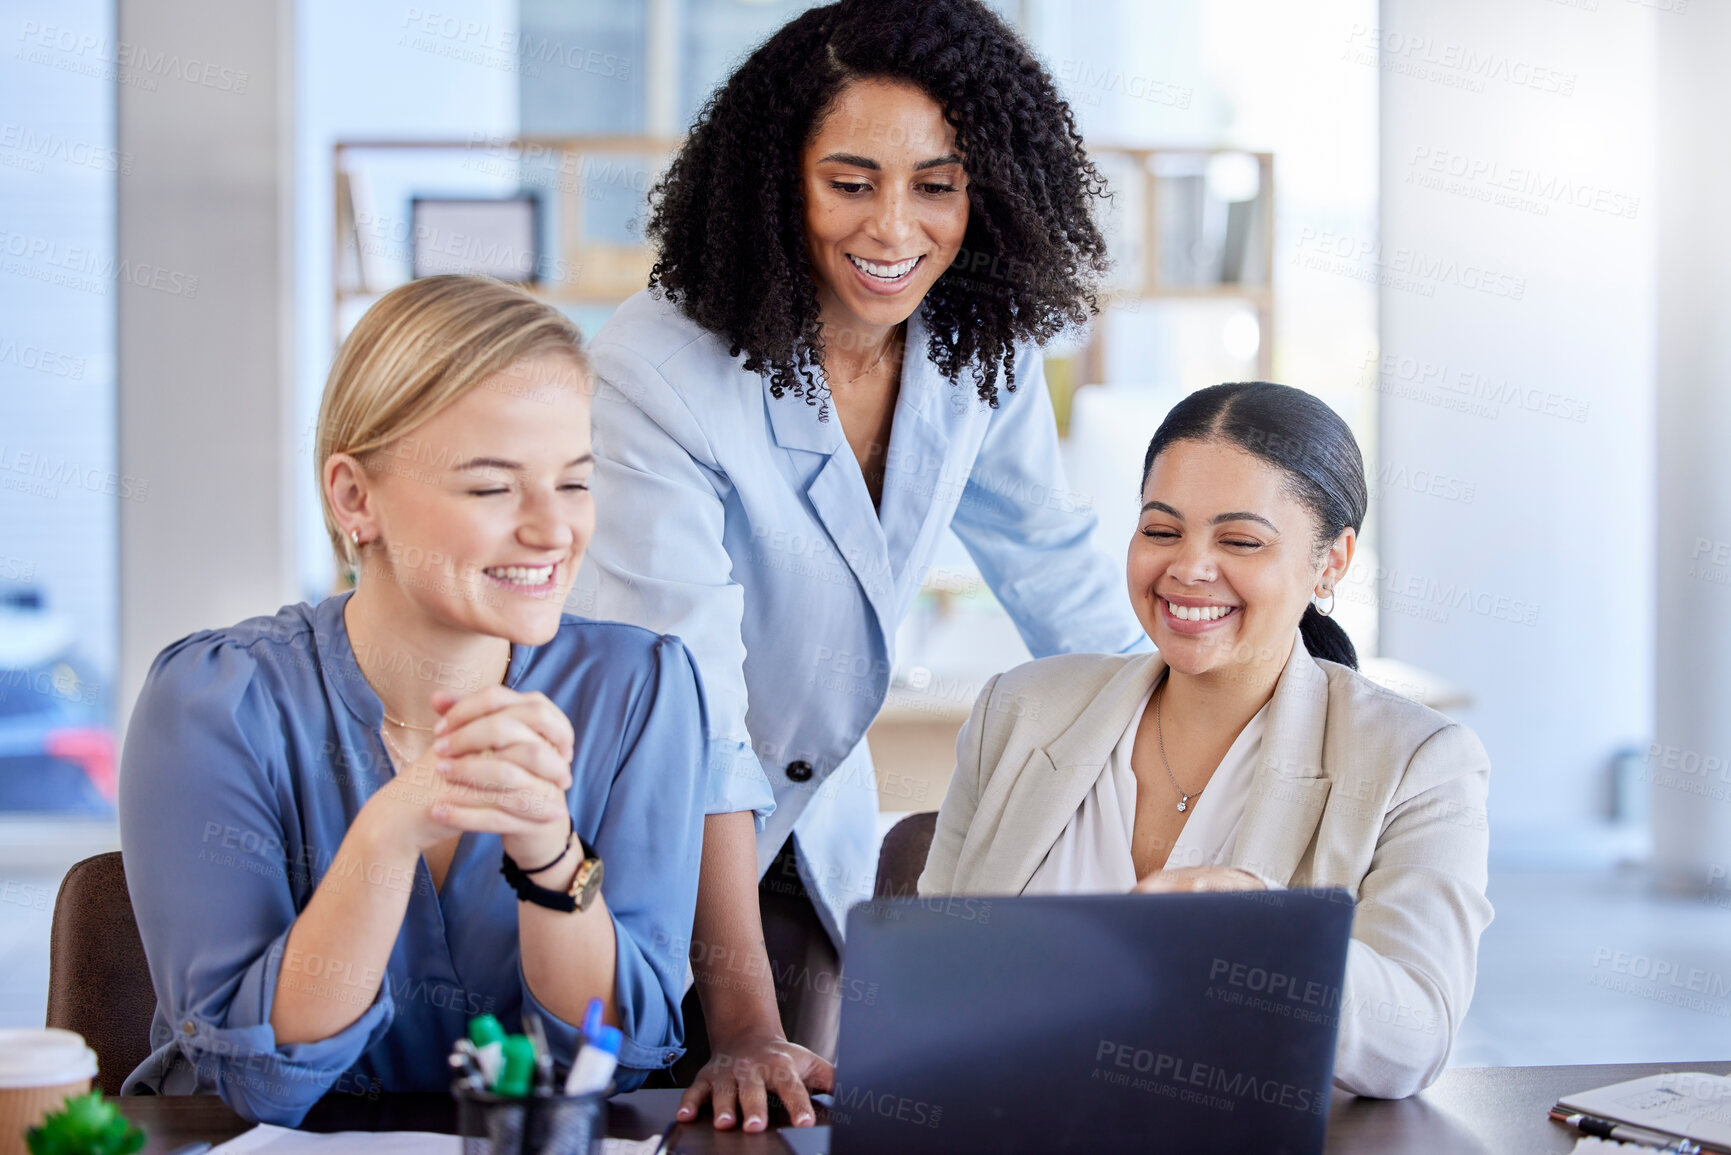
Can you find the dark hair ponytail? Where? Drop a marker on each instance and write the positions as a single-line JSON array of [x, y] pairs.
[[1324, 638], [1291, 429]]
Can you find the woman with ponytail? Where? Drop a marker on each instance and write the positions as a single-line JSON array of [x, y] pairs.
[[1248, 753]]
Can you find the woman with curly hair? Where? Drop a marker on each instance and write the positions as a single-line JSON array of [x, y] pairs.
[[872, 227]]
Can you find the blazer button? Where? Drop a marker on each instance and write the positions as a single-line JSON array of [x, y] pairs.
[[799, 771]]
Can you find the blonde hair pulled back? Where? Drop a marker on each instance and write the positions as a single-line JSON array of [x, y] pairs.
[[419, 349]]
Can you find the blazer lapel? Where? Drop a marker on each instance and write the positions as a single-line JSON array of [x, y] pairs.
[[1289, 788], [1041, 799], [918, 465], [838, 495]]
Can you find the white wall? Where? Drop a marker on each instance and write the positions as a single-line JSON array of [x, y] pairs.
[[373, 72], [1532, 309], [1688, 766], [204, 110]]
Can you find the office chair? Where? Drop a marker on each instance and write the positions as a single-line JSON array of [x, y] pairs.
[[902, 857], [98, 981]]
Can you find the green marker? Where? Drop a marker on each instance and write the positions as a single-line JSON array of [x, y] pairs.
[[484, 1029], [519, 1068]]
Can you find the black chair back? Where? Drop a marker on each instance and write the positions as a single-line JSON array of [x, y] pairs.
[[902, 858]]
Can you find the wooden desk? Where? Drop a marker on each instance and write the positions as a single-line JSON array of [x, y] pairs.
[[1480, 1110], [1470, 1111]]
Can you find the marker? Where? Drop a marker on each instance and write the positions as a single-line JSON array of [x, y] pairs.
[[519, 1068], [595, 1062], [484, 1029], [592, 1019], [1623, 1133]]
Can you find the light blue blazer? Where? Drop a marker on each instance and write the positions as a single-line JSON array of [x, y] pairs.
[[742, 523]]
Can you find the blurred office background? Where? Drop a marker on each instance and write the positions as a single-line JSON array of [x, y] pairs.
[[1485, 231]]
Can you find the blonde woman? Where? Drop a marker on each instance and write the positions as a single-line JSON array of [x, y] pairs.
[[351, 826]]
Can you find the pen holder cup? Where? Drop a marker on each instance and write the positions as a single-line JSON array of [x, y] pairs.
[[537, 1125]]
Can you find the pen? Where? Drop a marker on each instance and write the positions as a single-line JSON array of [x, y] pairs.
[[1623, 1133], [665, 1147], [488, 1060], [537, 1032], [469, 1074]]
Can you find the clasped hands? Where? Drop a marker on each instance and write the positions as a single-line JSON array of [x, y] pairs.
[[501, 765]]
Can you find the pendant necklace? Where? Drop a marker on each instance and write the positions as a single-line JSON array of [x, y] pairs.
[[1184, 797]]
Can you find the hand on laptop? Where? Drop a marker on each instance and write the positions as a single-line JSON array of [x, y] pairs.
[[741, 1075], [1192, 878]]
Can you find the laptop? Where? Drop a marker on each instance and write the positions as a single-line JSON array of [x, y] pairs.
[[1090, 1023]]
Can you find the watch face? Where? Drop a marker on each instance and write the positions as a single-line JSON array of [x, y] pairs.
[[587, 883]]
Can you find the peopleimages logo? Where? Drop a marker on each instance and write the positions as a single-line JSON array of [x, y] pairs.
[[45, 473], [1403, 268], [40, 146], [1204, 1084], [1273, 983], [105, 59], [83, 268], [1529, 187]]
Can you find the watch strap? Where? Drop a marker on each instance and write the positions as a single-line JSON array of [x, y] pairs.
[[528, 890], [585, 884]]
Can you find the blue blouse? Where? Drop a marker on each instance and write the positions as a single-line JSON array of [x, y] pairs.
[[250, 751]]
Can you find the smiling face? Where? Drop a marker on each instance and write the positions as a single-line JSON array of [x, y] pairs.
[[885, 201], [1224, 560], [475, 523]]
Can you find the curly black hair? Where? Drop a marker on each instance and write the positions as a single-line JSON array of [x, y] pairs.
[[728, 218]]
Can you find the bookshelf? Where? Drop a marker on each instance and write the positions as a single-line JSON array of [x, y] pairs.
[[1172, 241]]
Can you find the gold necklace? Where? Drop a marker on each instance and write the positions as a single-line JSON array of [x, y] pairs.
[[397, 752], [430, 729], [881, 355]]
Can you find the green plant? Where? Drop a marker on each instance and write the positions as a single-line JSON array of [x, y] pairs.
[[85, 1125]]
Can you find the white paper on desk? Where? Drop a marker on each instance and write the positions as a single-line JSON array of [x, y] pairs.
[[1593, 1145], [1679, 1103], [268, 1139]]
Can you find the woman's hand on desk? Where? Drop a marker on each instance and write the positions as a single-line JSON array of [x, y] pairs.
[[740, 1075], [1198, 878], [500, 763]]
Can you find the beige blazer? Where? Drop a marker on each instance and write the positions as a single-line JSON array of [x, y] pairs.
[[1355, 786]]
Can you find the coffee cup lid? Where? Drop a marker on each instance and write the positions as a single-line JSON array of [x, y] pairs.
[[43, 1057]]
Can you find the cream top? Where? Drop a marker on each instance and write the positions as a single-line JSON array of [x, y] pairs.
[[1092, 855]]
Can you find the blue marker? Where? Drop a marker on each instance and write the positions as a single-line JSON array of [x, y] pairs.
[[595, 1062]]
